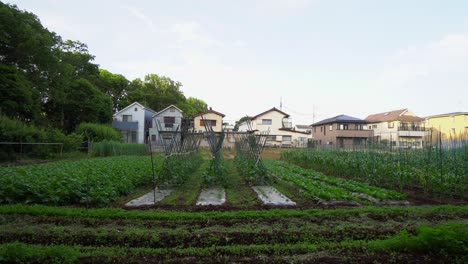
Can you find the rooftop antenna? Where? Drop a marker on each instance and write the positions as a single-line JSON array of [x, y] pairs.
[[281, 103]]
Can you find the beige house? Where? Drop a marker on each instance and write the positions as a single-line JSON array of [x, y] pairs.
[[399, 128], [281, 131], [210, 117]]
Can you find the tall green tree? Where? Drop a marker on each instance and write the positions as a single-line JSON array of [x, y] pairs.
[[115, 86]]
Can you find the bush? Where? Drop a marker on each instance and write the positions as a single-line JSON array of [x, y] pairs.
[[98, 132], [115, 148], [12, 130]]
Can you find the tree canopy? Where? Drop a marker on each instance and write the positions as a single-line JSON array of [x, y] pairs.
[[48, 81]]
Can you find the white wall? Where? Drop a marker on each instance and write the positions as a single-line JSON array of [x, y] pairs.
[[137, 116]]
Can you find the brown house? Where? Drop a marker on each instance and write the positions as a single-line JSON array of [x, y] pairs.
[[341, 132]]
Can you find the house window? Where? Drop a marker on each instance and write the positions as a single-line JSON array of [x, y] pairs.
[[453, 131], [127, 118], [393, 143], [136, 109], [271, 138], [153, 137], [287, 138], [391, 125], [308, 131], [208, 122], [267, 121], [172, 110], [358, 126], [374, 126], [169, 121], [343, 126], [330, 128]]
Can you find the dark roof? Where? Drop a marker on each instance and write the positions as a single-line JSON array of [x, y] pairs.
[[340, 118], [270, 110], [209, 111], [294, 131], [396, 115], [303, 126], [448, 114]]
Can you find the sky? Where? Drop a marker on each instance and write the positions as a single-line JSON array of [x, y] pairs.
[[320, 58]]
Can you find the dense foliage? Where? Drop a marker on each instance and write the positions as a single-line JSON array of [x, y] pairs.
[[12, 130], [443, 171], [52, 82], [98, 181], [107, 148], [177, 168], [97, 132], [248, 160]]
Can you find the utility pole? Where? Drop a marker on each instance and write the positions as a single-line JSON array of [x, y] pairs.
[[281, 103]]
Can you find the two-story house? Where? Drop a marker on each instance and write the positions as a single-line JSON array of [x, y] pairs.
[[282, 133], [168, 119], [134, 122], [450, 126], [211, 117], [399, 128], [341, 132]]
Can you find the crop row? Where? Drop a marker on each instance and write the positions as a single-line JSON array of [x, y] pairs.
[[447, 241], [97, 181], [329, 188], [447, 174]]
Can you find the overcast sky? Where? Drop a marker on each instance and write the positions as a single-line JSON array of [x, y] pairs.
[[327, 57]]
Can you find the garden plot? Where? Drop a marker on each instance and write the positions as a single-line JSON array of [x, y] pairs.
[[325, 189], [150, 198], [271, 196], [212, 196]]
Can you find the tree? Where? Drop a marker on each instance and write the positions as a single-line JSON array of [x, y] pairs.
[[193, 106], [19, 99], [240, 121], [115, 86]]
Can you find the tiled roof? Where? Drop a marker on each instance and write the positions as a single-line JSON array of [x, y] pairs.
[[210, 111], [270, 110], [396, 115], [340, 118]]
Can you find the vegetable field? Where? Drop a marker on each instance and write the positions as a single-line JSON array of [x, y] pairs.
[[436, 172], [367, 234], [69, 182]]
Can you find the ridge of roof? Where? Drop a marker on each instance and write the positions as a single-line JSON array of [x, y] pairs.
[[340, 118], [135, 103], [269, 110], [168, 108]]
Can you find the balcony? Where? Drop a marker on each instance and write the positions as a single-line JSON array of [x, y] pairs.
[[123, 125], [412, 131]]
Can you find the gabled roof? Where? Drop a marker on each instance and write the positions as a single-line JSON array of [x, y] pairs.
[[133, 104], [448, 114], [396, 115], [167, 109], [270, 110], [210, 111], [340, 118]]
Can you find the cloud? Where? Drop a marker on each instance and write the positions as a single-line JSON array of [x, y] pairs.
[[192, 33], [141, 16], [449, 55]]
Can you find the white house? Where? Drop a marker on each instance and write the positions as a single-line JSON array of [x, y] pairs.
[[134, 121], [281, 131], [168, 119]]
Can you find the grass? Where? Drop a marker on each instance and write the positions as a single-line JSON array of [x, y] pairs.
[[238, 194], [107, 148]]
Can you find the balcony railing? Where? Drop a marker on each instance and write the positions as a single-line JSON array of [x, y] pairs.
[[411, 128]]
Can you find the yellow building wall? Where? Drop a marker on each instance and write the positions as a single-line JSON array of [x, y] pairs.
[[455, 126], [209, 116]]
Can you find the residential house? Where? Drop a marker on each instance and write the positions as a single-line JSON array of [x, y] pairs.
[[168, 119], [398, 128], [451, 125], [133, 121], [211, 117], [281, 131], [341, 132]]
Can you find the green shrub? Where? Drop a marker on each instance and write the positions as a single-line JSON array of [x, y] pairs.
[[114, 148], [97, 132]]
